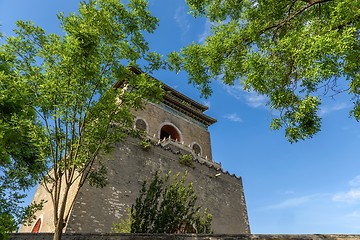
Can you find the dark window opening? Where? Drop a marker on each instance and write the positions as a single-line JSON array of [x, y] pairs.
[[140, 124], [169, 131], [196, 149]]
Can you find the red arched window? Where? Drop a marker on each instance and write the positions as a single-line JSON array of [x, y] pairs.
[[37, 226], [169, 131]]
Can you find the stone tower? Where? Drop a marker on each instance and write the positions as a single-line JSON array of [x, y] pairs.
[[174, 127]]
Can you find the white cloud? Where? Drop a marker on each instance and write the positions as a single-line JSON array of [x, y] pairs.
[[326, 109], [355, 182], [235, 91], [352, 195], [181, 19], [207, 103], [255, 100], [354, 214], [206, 32], [233, 117], [288, 192], [252, 99], [291, 202]]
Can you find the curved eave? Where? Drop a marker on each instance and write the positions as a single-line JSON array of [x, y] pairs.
[[181, 102], [174, 103], [181, 96], [174, 92]]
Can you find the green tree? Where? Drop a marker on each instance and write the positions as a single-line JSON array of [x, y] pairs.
[[20, 165], [74, 86], [166, 206], [295, 52]]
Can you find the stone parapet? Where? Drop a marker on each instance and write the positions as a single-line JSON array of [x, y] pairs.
[[179, 148], [123, 236]]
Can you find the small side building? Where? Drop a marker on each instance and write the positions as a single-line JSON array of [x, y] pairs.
[[176, 126]]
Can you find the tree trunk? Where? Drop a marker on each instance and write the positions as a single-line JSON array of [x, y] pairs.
[[58, 230], [60, 223]]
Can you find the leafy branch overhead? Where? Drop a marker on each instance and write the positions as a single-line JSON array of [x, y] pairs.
[[295, 52]]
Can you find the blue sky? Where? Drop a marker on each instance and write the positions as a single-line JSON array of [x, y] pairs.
[[308, 187]]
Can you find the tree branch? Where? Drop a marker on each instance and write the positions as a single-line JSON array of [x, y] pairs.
[[289, 18]]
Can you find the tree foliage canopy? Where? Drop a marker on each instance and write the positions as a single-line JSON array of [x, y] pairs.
[[166, 206], [68, 97], [20, 164], [294, 52]]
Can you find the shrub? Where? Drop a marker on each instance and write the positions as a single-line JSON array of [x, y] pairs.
[[186, 159], [166, 206], [145, 144]]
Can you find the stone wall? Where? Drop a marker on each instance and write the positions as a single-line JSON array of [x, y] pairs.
[[129, 165], [45, 236]]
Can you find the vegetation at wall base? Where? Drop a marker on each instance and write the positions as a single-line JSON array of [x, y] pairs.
[[124, 225], [166, 206]]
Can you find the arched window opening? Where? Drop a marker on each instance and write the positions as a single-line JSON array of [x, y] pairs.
[[169, 131], [197, 149], [140, 124], [37, 226]]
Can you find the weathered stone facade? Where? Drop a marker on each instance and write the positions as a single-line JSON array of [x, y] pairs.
[[175, 126], [96, 209]]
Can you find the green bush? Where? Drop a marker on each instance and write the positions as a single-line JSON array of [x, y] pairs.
[[186, 159], [166, 206], [145, 144], [124, 225]]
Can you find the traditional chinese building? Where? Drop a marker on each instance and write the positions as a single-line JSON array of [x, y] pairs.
[[176, 126]]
